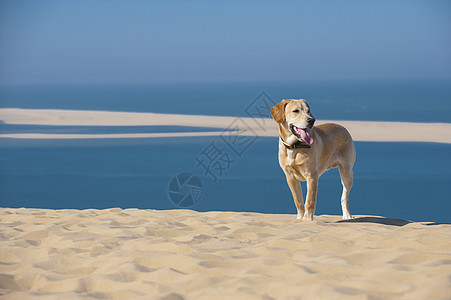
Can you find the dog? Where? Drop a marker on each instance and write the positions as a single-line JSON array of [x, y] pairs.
[[307, 151]]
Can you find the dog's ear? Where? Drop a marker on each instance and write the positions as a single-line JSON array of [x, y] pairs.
[[278, 111]]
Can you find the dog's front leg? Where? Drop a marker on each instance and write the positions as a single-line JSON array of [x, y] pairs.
[[310, 201], [296, 190]]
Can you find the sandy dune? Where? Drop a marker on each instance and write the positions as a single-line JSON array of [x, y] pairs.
[[360, 130], [148, 254]]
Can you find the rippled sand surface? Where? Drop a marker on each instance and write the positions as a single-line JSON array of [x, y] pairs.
[[183, 254]]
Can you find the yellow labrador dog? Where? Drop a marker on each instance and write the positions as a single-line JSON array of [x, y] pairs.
[[305, 152]]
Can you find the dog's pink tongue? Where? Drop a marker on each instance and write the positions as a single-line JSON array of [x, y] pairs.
[[305, 136]]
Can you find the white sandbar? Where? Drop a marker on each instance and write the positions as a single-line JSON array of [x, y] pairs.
[[360, 130]]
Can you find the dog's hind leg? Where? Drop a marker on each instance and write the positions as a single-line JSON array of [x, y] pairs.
[[346, 175]]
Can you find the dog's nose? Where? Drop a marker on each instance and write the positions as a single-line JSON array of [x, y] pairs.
[[311, 120]]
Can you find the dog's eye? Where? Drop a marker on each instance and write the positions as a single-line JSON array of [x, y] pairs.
[[296, 111]]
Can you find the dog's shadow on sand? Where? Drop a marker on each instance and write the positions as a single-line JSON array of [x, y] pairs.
[[386, 221]]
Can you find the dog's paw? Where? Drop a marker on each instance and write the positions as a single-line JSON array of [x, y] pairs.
[[347, 216], [308, 217]]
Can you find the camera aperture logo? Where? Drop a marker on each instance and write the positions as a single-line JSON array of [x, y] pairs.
[[185, 190]]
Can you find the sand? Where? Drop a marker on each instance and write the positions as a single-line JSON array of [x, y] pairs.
[[183, 254], [360, 130]]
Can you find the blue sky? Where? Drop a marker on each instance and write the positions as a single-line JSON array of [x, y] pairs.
[[85, 41]]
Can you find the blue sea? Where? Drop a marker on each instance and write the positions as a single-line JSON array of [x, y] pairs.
[[397, 180]]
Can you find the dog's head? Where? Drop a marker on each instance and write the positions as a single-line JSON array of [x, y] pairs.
[[295, 116]]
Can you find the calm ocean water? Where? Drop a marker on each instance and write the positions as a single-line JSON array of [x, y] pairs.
[[397, 180]]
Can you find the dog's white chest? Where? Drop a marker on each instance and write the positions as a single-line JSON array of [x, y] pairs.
[[293, 166], [291, 157], [291, 154]]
